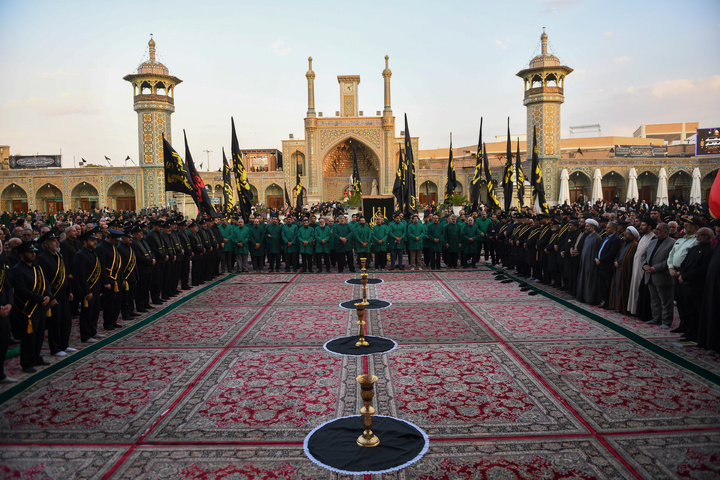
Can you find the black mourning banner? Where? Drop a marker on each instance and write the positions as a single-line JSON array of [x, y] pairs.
[[707, 142], [640, 151], [35, 161], [377, 205]]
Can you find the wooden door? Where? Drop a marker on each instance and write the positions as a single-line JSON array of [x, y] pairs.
[[126, 203], [645, 193], [274, 201], [19, 206], [576, 193], [85, 204], [427, 200], [609, 194]]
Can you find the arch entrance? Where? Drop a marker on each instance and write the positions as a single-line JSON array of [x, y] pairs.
[[337, 168], [49, 199], [14, 199], [84, 196], [122, 196]]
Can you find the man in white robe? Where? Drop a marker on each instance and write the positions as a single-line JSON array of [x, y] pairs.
[[646, 229]]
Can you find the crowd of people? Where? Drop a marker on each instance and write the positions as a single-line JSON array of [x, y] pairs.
[[634, 258]]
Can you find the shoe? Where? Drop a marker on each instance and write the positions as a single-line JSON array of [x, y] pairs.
[[8, 380], [678, 330], [117, 325], [108, 327], [41, 363], [150, 307], [142, 310], [652, 322], [60, 354], [186, 287], [100, 335], [29, 370], [70, 349], [665, 327]]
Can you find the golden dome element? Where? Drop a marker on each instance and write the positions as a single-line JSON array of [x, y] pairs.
[[387, 72], [310, 73]]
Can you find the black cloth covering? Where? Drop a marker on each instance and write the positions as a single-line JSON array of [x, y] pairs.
[[374, 304], [346, 345]]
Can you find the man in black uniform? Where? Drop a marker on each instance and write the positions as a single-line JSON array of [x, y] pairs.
[[129, 275], [32, 297], [68, 248], [111, 262], [145, 262], [170, 279], [157, 247], [6, 301], [59, 323], [198, 251], [186, 255], [91, 280]]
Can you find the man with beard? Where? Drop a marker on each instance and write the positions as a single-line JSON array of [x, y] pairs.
[[587, 289], [157, 247], [32, 298], [145, 262], [569, 260], [59, 323], [198, 259], [306, 237], [68, 248], [111, 262], [639, 298], [273, 243], [129, 276], [657, 277], [622, 276], [675, 259], [692, 278], [291, 246], [452, 241], [257, 245], [605, 260], [344, 239]]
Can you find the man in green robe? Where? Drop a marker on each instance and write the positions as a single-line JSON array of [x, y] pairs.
[[452, 241], [290, 244], [344, 238], [396, 241], [363, 240], [257, 245], [226, 230], [323, 242], [306, 237], [273, 239], [415, 240], [469, 238], [380, 243], [436, 236], [241, 242]]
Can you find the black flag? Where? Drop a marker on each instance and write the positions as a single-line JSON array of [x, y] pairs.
[[507, 174], [492, 195], [357, 186], [399, 185], [177, 178], [520, 177], [245, 195], [298, 192], [477, 175], [536, 180], [288, 203], [451, 178], [203, 199], [410, 195], [227, 188]]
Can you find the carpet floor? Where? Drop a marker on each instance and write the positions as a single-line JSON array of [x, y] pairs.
[[226, 381]]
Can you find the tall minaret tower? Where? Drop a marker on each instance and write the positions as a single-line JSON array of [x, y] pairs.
[[154, 101], [544, 93]]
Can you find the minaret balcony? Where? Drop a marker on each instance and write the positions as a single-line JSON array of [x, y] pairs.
[[148, 97], [544, 90]]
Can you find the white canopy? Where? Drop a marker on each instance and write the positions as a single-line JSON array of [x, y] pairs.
[[596, 195], [662, 190], [564, 196], [695, 192], [632, 190]]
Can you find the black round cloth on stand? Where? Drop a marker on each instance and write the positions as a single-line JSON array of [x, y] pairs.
[[371, 281], [333, 445], [374, 304], [346, 346]]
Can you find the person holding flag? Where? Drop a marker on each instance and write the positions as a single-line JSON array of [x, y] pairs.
[[357, 186], [245, 195], [477, 175], [451, 177], [507, 182], [227, 189], [536, 181], [519, 177]]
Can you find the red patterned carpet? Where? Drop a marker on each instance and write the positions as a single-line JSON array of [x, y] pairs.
[[227, 381]]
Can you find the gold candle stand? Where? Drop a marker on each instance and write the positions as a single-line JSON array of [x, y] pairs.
[[364, 279], [367, 392], [360, 309]]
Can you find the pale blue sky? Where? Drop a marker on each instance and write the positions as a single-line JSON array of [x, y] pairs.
[[63, 61]]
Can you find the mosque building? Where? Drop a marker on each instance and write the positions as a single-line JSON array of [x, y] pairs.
[[324, 157]]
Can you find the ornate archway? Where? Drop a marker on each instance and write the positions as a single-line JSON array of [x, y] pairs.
[[14, 199], [428, 193], [580, 185], [337, 168], [706, 184], [49, 199], [84, 196], [613, 186], [121, 196], [647, 186], [274, 196], [679, 185]]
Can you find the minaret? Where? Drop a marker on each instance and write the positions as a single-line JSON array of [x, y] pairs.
[[387, 110], [544, 93], [387, 167], [311, 126], [154, 101]]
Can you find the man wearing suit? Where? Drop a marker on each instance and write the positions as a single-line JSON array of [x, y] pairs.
[[605, 262], [657, 277]]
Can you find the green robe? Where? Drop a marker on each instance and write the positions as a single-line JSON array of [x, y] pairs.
[[452, 237], [467, 233], [415, 230], [227, 231], [241, 235], [436, 231], [273, 238], [345, 231], [290, 234], [257, 239], [380, 234], [323, 233], [306, 234], [363, 234], [396, 229], [483, 226]]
